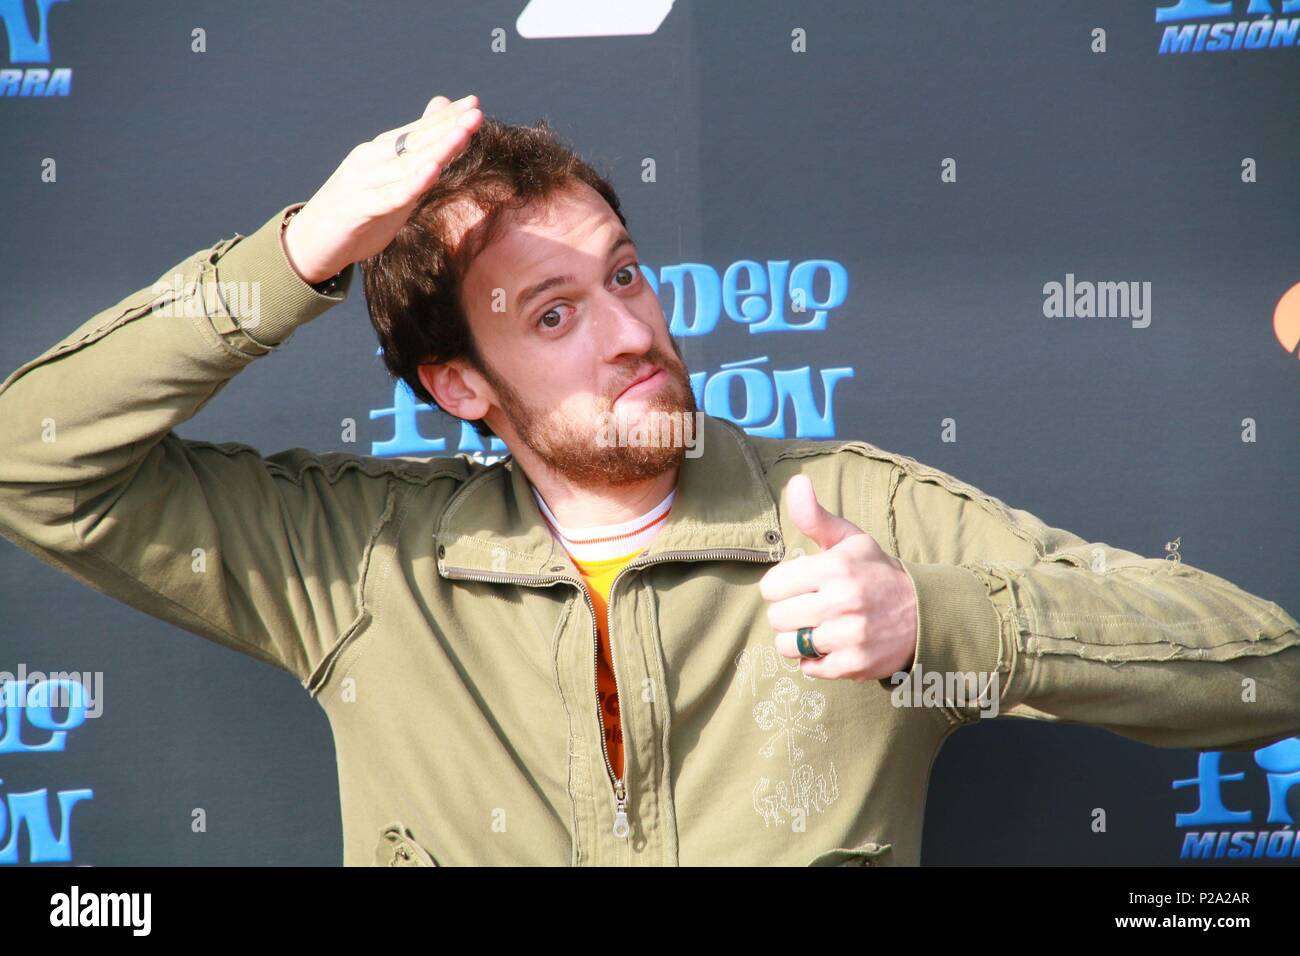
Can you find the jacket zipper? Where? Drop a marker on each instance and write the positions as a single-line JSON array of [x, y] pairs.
[[621, 828]]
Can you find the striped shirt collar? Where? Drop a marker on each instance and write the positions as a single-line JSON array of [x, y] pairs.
[[604, 542]]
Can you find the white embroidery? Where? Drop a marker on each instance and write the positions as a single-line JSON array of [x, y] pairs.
[[805, 791], [795, 714], [763, 664]]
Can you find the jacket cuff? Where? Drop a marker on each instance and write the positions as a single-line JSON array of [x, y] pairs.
[[283, 300], [957, 626]]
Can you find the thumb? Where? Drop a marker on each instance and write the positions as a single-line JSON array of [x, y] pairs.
[[826, 529]]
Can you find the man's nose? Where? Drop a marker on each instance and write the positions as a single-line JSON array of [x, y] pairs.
[[623, 332]]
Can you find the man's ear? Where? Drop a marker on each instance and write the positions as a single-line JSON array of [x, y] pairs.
[[458, 389]]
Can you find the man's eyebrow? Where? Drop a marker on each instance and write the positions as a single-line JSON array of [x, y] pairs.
[[533, 291]]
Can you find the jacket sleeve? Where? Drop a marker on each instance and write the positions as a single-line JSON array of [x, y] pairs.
[[1076, 631], [264, 555]]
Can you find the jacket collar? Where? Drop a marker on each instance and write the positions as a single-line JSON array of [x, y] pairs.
[[492, 525]]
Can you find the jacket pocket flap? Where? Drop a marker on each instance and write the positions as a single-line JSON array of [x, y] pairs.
[[867, 854], [397, 847]]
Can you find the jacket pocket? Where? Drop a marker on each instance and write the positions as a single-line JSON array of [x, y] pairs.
[[867, 854], [397, 847]]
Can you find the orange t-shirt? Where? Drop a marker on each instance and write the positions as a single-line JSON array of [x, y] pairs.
[[599, 576]]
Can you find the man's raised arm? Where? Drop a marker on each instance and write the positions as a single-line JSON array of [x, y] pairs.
[[263, 555]]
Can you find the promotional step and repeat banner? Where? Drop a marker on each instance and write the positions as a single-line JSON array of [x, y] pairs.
[[1048, 248]]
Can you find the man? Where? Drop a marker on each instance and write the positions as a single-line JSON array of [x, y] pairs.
[[596, 651]]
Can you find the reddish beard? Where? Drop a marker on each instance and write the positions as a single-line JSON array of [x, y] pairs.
[[574, 449]]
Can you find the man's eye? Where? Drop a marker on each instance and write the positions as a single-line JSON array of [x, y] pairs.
[[549, 313], [632, 275]]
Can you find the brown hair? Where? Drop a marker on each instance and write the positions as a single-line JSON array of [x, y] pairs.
[[413, 286]]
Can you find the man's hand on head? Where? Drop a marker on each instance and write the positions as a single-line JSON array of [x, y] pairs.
[[368, 199], [858, 598]]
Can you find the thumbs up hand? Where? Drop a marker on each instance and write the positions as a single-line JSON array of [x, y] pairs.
[[858, 598]]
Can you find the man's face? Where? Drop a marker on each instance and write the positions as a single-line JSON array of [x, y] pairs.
[[566, 322]]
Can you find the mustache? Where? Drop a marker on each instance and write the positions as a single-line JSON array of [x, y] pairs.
[[661, 361]]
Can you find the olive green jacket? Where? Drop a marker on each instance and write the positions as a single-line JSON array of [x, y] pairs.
[[427, 608]]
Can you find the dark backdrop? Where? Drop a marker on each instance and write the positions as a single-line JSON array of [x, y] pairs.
[[1124, 165]]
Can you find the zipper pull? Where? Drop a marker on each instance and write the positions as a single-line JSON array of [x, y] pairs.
[[621, 828]]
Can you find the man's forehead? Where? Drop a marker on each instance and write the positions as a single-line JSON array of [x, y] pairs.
[[531, 238], [568, 217]]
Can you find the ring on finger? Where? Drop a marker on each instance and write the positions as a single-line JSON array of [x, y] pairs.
[[807, 649]]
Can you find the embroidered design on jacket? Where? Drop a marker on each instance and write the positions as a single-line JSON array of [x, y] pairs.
[[805, 791], [793, 714]]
